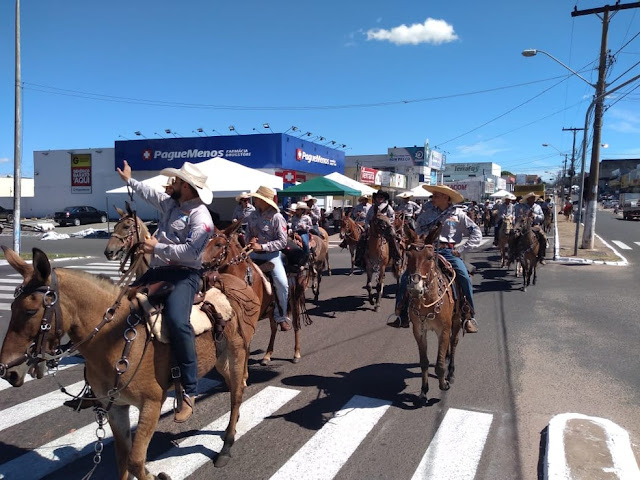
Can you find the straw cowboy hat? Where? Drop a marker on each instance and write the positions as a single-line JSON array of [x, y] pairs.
[[448, 191], [191, 174], [266, 194], [529, 195], [405, 195], [364, 197], [242, 196], [301, 205], [310, 198], [509, 196]]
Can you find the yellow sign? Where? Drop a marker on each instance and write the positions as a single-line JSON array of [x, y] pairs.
[[81, 160], [538, 189]]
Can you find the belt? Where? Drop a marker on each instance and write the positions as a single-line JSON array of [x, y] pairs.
[[444, 245]]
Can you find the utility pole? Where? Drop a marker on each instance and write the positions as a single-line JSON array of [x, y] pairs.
[[17, 141], [572, 168], [594, 172]]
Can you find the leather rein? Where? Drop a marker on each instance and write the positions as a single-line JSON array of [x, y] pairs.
[[129, 244]]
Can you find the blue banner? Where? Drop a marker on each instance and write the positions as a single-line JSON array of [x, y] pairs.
[[276, 150]]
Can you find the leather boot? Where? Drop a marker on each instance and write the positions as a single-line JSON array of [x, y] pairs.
[[470, 326], [188, 404]]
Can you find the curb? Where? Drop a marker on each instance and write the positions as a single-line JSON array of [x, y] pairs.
[[585, 261]]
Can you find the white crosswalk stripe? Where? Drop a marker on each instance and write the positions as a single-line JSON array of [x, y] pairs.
[[637, 243], [622, 245]]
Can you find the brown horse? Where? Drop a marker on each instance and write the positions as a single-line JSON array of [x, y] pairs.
[[225, 253], [350, 230], [432, 306], [548, 220], [127, 233], [487, 220], [52, 303], [319, 261], [525, 248], [377, 257], [503, 239]]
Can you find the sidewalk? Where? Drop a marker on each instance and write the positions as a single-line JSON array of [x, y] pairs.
[[564, 247]]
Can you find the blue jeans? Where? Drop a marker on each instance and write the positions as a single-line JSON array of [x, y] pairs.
[[280, 282], [176, 314], [462, 278], [305, 241]]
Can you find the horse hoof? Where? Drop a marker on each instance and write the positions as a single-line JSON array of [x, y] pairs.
[[163, 476], [445, 386], [422, 401], [329, 273], [265, 362], [222, 460], [296, 360], [376, 308]]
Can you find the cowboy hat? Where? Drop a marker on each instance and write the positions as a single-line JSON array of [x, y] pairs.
[[443, 189], [301, 205], [383, 193], [529, 195], [364, 197], [191, 174], [169, 183], [405, 195], [267, 195], [510, 196], [310, 198], [242, 196]]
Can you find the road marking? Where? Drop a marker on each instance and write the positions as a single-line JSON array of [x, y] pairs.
[[71, 361], [623, 246], [637, 243], [110, 268], [11, 280], [617, 443], [192, 452], [68, 448], [329, 449], [6, 296], [463, 432], [7, 289], [5, 307]]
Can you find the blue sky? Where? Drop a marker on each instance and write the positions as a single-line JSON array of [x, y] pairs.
[[370, 75]]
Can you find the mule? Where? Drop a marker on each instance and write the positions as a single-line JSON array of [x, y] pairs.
[[225, 253], [432, 307], [548, 220], [504, 234], [525, 247], [319, 260], [351, 231], [52, 303], [377, 257], [127, 233], [487, 221]]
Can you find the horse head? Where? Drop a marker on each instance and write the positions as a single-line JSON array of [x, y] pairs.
[[420, 265], [36, 324], [522, 226], [216, 251], [381, 223], [128, 231]]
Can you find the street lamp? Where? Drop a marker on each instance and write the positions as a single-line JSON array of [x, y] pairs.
[[532, 52], [266, 125]]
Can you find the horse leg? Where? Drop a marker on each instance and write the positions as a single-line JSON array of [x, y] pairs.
[[121, 428], [443, 349], [232, 367], [318, 280], [535, 271], [147, 423], [274, 329], [327, 263], [297, 303], [352, 254], [421, 340], [379, 288], [368, 285], [453, 344]]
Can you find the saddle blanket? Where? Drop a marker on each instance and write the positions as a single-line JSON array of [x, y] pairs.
[[199, 320]]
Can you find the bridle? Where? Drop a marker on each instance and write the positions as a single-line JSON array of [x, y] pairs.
[[348, 229], [128, 239], [216, 262]]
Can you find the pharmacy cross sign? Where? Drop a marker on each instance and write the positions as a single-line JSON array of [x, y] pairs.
[[289, 176]]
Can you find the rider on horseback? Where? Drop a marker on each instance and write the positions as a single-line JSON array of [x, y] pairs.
[[243, 210], [267, 233], [454, 221], [505, 209], [301, 223], [531, 208], [315, 214], [359, 213], [380, 205], [409, 208]]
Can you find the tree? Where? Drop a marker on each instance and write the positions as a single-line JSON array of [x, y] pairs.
[[506, 173]]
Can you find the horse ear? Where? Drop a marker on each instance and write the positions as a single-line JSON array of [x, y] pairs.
[[18, 264], [129, 211], [233, 228], [41, 265], [413, 236], [121, 212]]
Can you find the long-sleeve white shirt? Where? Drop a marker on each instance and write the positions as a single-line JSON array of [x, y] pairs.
[[455, 223]]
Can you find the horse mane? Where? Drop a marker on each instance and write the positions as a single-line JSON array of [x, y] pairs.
[[101, 280]]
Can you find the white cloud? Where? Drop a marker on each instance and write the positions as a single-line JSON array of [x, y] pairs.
[[5, 160], [623, 121], [431, 31], [480, 149]]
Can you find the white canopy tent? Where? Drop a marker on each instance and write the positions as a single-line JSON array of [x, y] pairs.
[[351, 183], [419, 192], [499, 194], [225, 178]]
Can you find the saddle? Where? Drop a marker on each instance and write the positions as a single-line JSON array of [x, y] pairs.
[[447, 270]]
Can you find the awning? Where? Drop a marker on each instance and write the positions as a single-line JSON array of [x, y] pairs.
[[351, 183], [322, 186]]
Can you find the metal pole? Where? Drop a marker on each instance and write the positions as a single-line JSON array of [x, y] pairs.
[[17, 141], [582, 163]]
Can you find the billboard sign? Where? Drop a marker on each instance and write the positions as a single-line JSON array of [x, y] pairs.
[[81, 173], [368, 175], [407, 156], [436, 160]]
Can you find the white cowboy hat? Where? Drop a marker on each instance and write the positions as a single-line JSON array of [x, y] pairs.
[[405, 195], [302, 205], [169, 182], [364, 197], [509, 196], [242, 196], [529, 195], [267, 194], [448, 191], [191, 174], [310, 198]]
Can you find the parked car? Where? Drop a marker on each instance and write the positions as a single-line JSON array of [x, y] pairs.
[[6, 214], [79, 215]]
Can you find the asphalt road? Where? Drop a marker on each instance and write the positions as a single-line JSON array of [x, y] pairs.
[[623, 235], [566, 345]]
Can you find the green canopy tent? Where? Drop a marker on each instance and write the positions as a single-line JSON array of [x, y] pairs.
[[320, 186]]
